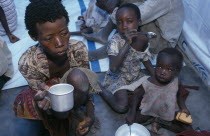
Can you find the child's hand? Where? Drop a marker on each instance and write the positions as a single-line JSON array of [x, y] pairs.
[[84, 126], [130, 34], [42, 99]]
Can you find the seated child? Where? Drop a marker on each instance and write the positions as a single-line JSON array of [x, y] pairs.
[[159, 95], [127, 50], [55, 59]]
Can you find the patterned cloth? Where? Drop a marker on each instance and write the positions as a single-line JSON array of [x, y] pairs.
[[11, 15], [160, 101], [130, 69], [33, 64]]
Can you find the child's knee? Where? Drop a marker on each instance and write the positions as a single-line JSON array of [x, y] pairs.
[[78, 79]]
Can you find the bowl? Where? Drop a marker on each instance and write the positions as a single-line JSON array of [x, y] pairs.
[[136, 130]]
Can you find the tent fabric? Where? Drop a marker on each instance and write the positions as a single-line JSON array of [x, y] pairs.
[[194, 40]]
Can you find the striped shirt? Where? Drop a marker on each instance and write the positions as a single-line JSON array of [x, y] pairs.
[[11, 15]]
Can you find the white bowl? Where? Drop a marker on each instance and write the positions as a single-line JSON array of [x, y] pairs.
[[136, 130]]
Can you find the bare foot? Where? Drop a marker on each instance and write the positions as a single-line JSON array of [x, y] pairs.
[[13, 38], [100, 53], [97, 37], [155, 127]]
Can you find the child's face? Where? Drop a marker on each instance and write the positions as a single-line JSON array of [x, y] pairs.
[[54, 37], [126, 20], [165, 71]]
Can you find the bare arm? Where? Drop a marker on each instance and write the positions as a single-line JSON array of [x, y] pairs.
[[181, 101], [149, 67], [116, 61]]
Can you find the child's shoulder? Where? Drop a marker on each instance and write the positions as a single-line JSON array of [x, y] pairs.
[[116, 37]]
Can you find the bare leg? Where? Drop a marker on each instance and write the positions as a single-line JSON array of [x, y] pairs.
[[118, 102], [143, 118], [86, 30], [102, 35], [78, 33], [79, 80], [100, 53]]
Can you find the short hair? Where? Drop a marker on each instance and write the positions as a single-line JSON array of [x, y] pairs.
[[41, 11], [132, 7], [175, 54]]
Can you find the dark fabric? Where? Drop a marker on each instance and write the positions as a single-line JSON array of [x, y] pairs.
[[3, 80], [194, 133]]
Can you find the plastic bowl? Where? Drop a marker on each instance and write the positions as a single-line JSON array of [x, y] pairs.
[[136, 130]]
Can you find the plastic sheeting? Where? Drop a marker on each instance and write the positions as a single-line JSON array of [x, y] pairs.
[[194, 40]]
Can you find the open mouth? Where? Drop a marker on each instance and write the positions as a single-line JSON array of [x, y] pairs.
[[161, 78], [62, 52]]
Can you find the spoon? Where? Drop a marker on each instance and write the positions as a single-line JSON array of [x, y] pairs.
[[149, 35], [130, 129]]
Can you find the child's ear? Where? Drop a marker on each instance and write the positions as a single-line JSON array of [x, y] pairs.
[[32, 37]]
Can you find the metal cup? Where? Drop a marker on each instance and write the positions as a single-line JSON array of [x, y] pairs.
[[61, 97]]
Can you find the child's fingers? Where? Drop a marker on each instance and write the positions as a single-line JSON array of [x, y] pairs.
[[130, 36], [39, 95], [132, 31], [83, 131], [46, 105]]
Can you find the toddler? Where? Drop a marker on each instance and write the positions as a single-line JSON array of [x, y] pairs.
[[159, 95]]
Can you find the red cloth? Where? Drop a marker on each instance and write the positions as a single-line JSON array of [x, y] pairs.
[[194, 133], [25, 106]]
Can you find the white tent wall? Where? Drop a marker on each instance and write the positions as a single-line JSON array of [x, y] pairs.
[[194, 40]]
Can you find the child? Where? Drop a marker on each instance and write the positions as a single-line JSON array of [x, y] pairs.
[[127, 49], [8, 19], [159, 94], [55, 59]]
